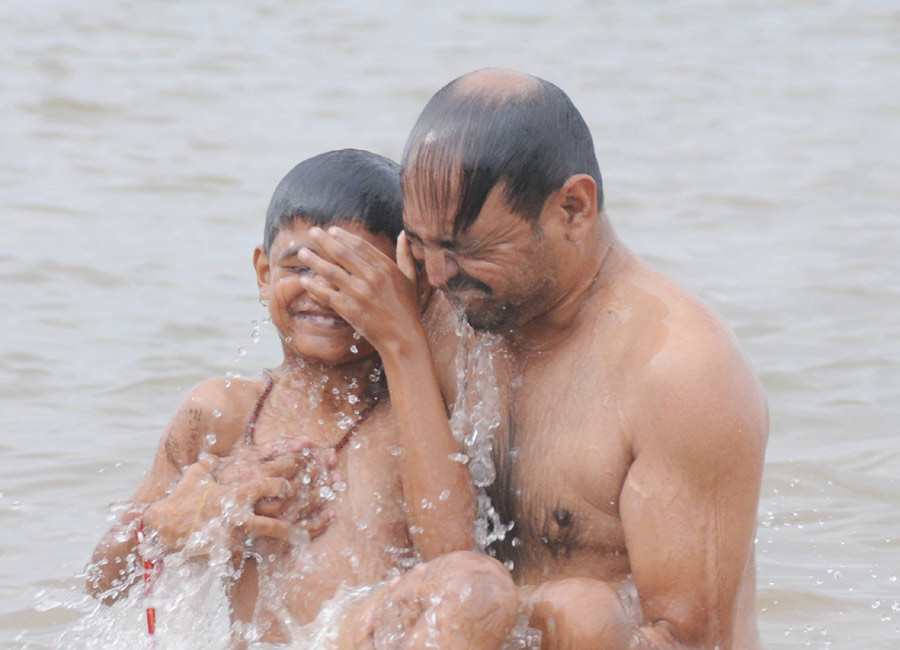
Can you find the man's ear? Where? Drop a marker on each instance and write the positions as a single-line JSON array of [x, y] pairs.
[[261, 264], [578, 197]]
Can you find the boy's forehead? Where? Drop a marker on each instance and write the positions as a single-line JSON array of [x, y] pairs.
[[296, 235]]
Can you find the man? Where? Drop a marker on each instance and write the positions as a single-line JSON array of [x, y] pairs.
[[633, 436]]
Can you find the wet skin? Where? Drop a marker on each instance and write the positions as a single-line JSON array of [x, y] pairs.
[[366, 533], [634, 434]]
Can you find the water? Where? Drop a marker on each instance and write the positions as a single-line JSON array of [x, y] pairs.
[[748, 149]]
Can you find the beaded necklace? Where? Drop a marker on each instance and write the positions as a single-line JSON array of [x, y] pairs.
[[340, 444]]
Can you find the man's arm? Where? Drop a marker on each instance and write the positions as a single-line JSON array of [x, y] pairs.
[[698, 426]]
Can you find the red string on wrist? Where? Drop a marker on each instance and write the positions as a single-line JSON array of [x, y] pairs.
[[148, 566]]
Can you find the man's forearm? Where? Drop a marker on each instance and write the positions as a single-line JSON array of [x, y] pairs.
[[582, 613]]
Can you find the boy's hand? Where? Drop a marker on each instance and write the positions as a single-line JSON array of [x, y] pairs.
[[379, 298]]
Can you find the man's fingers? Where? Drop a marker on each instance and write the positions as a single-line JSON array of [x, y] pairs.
[[257, 526], [405, 260], [202, 469], [269, 507], [285, 466], [262, 488], [317, 523]]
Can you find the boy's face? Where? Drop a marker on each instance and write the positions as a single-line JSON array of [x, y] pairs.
[[307, 328]]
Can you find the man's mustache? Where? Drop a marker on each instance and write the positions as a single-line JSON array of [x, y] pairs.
[[462, 281]]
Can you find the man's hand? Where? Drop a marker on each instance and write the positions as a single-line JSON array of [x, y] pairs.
[[257, 491], [198, 500], [308, 469]]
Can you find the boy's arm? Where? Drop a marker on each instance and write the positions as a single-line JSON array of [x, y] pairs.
[[378, 298], [193, 500], [110, 574]]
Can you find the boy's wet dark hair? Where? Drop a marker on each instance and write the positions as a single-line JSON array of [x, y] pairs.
[[348, 185], [464, 143]]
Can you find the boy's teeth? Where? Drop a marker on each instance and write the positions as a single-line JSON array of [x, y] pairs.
[[323, 320]]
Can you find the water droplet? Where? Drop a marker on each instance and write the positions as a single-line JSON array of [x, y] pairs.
[[288, 339], [893, 578], [321, 421], [210, 439], [876, 604], [339, 486], [353, 399], [326, 493], [356, 335], [361, 525], [227, 383], [217, 413], [242, 351], [458, 458], [335, 391], [444, 495], [354, 349]]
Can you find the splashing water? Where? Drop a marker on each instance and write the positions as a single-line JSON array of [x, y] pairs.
[[475, 418], [191, 596]]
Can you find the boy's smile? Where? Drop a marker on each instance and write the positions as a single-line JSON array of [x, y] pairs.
[[307, 328]]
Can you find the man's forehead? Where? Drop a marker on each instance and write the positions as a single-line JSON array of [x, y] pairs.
[[434, 223]]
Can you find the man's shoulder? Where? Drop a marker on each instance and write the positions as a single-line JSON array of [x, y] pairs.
[[693, 375]]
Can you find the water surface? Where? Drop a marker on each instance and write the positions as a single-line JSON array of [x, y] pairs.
[[749, 150]]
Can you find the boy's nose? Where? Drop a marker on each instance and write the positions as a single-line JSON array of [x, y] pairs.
[[440, 267]]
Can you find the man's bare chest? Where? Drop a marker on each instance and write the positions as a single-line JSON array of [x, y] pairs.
[[561, 460]]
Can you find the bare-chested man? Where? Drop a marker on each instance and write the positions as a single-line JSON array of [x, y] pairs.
[[634, 433]]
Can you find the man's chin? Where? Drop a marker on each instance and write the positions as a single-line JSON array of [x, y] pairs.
[[490, 320]]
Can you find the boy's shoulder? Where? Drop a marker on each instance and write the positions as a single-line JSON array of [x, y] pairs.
[[211, 418]]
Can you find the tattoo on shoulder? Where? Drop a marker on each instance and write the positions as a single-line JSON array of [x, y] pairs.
[[180, 450]]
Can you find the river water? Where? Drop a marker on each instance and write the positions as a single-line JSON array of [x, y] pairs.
[[749, 149]]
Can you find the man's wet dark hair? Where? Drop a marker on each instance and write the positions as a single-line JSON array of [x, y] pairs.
[[344, 186], [530, 138]]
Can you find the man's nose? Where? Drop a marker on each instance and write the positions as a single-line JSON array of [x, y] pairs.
[[440, 267]]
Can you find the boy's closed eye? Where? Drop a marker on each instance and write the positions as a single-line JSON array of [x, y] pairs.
[[300, 270]]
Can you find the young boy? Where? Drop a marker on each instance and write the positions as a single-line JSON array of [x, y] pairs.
[[244, 465]]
